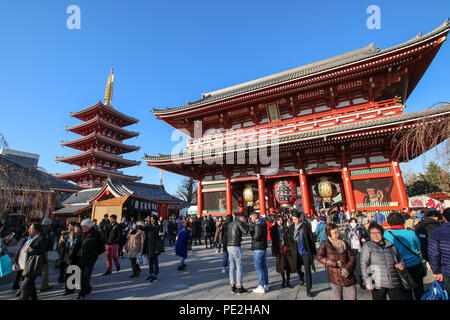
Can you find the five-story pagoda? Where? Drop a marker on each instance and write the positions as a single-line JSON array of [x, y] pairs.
[[102, 132]]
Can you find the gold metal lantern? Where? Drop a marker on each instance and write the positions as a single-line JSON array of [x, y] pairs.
[[248, 193], [327, 190]]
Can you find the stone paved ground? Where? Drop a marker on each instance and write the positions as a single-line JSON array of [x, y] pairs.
[[202, 280]]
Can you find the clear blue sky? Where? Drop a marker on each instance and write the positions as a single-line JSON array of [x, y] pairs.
[[168, 52]]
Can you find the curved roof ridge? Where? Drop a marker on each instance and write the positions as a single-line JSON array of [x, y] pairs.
[[364, 50], [315, 68]]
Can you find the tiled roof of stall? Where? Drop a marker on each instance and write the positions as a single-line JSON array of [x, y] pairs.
[[72, 209], [82, 197], [303, 71], [149, 191]]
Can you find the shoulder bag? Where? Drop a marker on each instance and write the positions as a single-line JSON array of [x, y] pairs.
[[424, 266], [405, 277]]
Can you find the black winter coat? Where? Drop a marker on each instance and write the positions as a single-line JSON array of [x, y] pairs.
[[275, 235], [104, 228], [228, 220], [423, 231], [172, 228], [208, 228], [114, 236], [152, 241], [258, 232], [196, 229], [92, 246], [39, 247], [308, 244], [235, 231]]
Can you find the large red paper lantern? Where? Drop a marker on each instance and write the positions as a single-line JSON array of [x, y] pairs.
[[286, 191]]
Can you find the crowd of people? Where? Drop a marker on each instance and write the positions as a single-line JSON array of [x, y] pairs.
[[358, 248]]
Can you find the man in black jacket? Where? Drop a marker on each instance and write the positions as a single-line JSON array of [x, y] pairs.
[[112, 245], [91, 247], [424, 229], [105, 227], [35, 246], [259, 245], [235, 230], [303, 249]]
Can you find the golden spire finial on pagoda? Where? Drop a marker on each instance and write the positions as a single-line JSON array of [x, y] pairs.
[[109, 89]]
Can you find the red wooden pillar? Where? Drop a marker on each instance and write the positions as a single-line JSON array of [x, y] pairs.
[[229, 197], [270, 197], [262, 197], [398, 180], [350, 199], [305, 192], [199, 198]]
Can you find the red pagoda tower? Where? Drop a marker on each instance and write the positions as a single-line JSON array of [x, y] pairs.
[[101, 144]]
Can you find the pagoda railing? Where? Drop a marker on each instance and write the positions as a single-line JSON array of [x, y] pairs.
[[362, 112]]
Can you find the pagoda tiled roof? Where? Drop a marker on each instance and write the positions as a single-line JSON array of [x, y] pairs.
[[96, 135], [379, 123], [101, 155], [96, 172], [313, 69], [110, 109], [14, 176], [98, 120]]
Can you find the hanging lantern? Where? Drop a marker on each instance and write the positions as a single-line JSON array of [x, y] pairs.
[[248, 193], [325, 189], [286, 191]]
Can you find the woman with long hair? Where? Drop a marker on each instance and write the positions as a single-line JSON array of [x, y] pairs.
[[152, 247], [280, 249]]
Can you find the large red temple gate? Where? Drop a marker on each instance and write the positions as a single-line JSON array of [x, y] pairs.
[[333, 120]]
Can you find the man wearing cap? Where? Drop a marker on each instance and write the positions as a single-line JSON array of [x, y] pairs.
[[46, 224]]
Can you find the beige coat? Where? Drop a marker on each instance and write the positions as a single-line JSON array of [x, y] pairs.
[[218, 234], [135, 243]]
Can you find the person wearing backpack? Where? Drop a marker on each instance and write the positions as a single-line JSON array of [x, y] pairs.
[[439, 251], [356, 236], [408, 245]]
